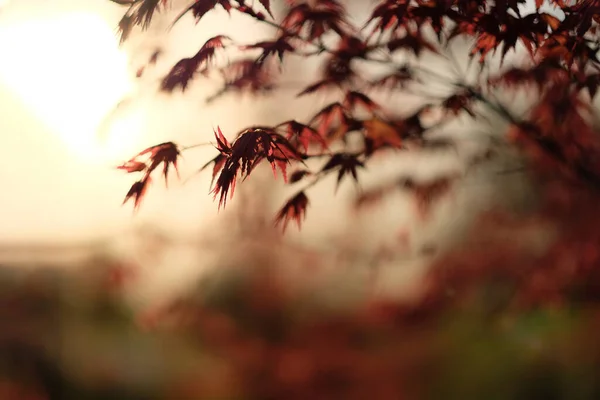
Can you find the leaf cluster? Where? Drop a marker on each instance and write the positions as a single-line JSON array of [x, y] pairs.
[[563, 67]]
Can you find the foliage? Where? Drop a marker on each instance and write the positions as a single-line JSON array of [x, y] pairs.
[[514, 313], [562, 68]]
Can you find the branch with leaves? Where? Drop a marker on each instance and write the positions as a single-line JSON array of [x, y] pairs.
[[563, 69]]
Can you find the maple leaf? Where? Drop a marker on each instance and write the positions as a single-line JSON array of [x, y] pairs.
[[297, 176], [426, 193], [218, 163], [137, 191], [346, 164], [389, 14], [589, 82], [252, 146], [294, 209], [200, 7], [319, 18], [225, 183], [458, 102], [434, 14], [542, 74], [413, 42], [141, 13], [325, 118], [279, 47], [165, 153], [398, 79], [125, 27], [267, 5], [223, 144], [381, 133], [184, 70], [300, 134], [247, 75]]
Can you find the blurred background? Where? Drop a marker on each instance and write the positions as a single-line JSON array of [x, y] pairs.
[[181, 301]]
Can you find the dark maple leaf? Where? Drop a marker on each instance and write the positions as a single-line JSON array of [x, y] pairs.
[[462, 101], [267, 5], [428, 192], [165, 153], [398, 79], [434, 14], [145, 10], [389, 15], [140, 13], [530, 30], [226, 182], [337, 72], [302, 135], [319, 18], [339, 69], [345, 163], [125, 27], [184, 70], [586, 11], [279, 47], [252, 146], [297, 176], [138, 191], [218, 163], [413, 42], [223, 144], [294, 209], [200, 7], [542, 74], [247, 75], [350, 47], [591, 82]]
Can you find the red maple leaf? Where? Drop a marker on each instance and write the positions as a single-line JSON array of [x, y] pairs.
[[252, 146], [303, 135], [294, 209]]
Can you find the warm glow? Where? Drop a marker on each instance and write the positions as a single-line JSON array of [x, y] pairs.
[[71, 73]]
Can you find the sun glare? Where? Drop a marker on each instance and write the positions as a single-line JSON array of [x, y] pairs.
[[71, 72]]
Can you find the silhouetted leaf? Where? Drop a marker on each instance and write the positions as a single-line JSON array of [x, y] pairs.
[[294, 209], [345, 164], [137, 191], [184, 70]]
